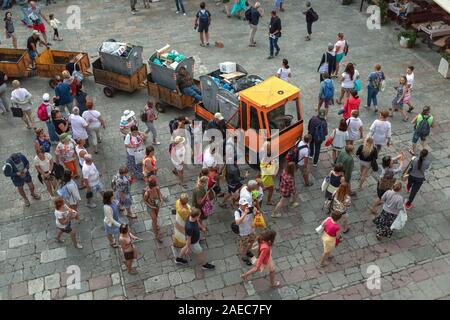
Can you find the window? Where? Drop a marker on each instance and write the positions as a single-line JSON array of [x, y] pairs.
[[284, 116], [244, 115], [254, 120]]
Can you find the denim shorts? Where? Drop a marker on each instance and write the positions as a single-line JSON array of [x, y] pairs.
[[32, 54], [416, 138], [20, 181]]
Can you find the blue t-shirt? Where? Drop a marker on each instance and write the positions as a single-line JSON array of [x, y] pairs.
[[192, 230], [62, 91]]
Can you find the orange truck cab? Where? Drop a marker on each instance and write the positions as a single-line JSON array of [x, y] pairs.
[[272, 105]]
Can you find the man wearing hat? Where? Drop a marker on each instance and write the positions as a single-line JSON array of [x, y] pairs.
[[17, 168], [91, 178], [177, 150], [32, 47], [65, 153], [318, 129], [243, 217]]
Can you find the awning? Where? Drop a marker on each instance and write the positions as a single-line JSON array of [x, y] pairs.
[[444, 4]]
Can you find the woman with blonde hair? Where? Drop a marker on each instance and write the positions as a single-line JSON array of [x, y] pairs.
[[367, 153], [183, 210]]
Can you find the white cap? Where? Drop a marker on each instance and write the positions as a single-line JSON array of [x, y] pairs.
[[46, 97], [218, 116], [243, 202]]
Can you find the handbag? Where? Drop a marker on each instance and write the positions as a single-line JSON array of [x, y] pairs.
[[17, 112], [374, 164], [357, 86], [325, 183], [139, 154], [259, 222], [400, 221], [324, 67], [330, 139], [207, 208]]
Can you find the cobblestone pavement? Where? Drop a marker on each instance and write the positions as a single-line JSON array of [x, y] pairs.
[[415, 263]]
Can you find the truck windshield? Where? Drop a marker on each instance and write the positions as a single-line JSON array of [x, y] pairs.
[[284, 116]]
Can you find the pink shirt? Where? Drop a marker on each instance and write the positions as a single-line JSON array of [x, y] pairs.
[[331, 228], [264, 255]]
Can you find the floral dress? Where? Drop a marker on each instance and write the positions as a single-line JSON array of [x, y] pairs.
[[123, 185]]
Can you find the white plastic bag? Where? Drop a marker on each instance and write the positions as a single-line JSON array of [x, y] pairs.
[[400, 221], [325, 183]]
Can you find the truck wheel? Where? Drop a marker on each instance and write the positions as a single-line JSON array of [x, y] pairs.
[[108, 91], [52, 83]]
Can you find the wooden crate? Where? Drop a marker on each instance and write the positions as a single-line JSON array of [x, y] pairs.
[[14, 62], [53, 62]]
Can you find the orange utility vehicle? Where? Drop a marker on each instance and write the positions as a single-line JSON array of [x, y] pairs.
[[272, 105]]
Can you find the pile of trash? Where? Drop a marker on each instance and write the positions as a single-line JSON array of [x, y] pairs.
[[120, 57], [120, 49], [167, 58], [223, 85]]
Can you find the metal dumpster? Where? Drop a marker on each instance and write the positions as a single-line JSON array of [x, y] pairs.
[[216, 99], [14, 62], [126, 66], [165, 76]]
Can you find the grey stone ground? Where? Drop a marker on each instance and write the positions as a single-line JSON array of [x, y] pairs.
[[415, 263]]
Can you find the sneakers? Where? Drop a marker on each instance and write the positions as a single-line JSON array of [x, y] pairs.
[[408, 205], [92, 205], [270, 57], [410, 109], [177, 12], [78, 246], [181, 261], [294, 205], [250, 255], [247, 261], [156, 143], [208, 266], [315, 164]]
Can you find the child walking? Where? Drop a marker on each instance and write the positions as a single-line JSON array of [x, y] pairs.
[[265, 261], [54, 23]]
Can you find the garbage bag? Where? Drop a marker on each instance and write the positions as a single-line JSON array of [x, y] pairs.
[[111, 47]]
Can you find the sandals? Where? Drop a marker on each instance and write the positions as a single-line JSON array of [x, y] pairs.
[[132, 216], [36, 197], [276, 285]]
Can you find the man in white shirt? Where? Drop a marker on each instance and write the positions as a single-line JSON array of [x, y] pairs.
[[243, 217], [246, 193], [210, 160], [303, 158], [91, 178], [78, 125], [21, 98]]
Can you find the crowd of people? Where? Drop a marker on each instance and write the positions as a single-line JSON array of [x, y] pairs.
[[65, 163]]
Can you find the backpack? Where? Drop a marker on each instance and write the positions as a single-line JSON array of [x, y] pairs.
[[423, 128], [314, 15], [329, 89], [173, 125], [319, 133], [203, 18], [7, 173], [292, 155], [248, 14], [144, 116], [387, 181], [42, 112], [377, 81], [234, 226], [346, 47]]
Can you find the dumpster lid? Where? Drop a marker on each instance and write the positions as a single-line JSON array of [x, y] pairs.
[[269, 92]]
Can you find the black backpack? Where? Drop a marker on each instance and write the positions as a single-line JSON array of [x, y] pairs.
[[144, 116], [248, 14], [314, 15], [234, 226], [173, 125]]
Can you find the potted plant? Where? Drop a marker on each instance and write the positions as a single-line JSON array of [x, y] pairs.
[[383, 11], [407, 39], [444, 65]]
